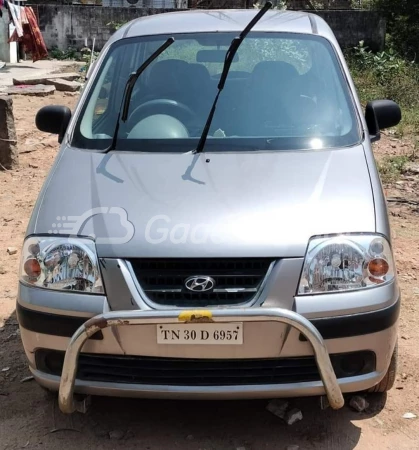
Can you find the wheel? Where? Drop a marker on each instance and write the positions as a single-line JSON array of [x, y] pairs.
[[388, 381]]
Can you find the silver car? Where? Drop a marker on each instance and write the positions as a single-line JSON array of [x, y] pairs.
[[214, 226]]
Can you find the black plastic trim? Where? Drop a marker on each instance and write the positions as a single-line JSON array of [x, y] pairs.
[[331, 328], [54, 324], [357, 324], [203, 372]]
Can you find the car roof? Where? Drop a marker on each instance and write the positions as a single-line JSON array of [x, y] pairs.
[[204, 21]]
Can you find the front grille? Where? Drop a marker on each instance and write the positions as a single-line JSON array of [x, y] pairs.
[[203, 372], [236, 280]]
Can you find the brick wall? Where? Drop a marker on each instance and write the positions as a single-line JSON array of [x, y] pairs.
[[69, 25]]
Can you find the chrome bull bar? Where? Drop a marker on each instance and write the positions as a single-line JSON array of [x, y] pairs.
[[68, 404]]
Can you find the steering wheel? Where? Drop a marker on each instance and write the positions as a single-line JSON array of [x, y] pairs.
[[161, 106]]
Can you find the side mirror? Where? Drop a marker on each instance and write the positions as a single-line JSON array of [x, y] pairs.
[[380, 114], [53, 119]]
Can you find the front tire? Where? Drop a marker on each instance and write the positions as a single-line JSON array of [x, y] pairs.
[[388, 381]]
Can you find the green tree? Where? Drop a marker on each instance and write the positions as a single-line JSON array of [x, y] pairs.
[[403, 24]]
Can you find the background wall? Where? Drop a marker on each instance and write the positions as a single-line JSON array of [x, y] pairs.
[[69, 25], [4, 36], [66, 26], [352, 26]]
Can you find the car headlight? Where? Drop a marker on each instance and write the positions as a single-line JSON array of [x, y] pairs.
[[346, 262], [61, 263]]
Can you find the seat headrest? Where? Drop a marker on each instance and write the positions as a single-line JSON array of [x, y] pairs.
[[273, 71], [199, 71], [167, 74]]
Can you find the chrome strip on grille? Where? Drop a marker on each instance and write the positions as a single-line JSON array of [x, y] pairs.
[[214, 290], [237, 280]]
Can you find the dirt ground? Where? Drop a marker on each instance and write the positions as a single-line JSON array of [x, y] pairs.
[[30, 419]]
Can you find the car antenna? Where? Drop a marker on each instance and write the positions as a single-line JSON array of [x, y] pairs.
[[124, 109], [230, 54]]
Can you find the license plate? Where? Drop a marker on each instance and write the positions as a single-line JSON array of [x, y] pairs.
[[194, 333]]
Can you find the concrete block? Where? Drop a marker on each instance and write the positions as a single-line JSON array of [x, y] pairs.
[[293, 416], [39, 90], [8, 143], [64, 85], [42, 79], [358, 403], [278, 407]]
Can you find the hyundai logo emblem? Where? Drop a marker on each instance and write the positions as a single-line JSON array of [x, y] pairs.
[[199, 283]]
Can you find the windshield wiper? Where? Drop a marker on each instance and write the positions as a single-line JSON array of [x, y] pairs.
[[230, 54], [126, 99]]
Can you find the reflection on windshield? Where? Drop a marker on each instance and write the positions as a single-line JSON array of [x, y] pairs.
[[284, 91]]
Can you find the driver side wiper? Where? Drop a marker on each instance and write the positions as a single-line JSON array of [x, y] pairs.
[[126, 98], [230, 54]]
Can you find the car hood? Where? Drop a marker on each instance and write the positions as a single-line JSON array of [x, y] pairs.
[[243, 204]]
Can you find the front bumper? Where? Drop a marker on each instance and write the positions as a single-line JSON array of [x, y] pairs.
[[68, 404], [49, 319], [240, 392]]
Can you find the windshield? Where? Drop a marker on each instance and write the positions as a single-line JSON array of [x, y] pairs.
[[283, 91]]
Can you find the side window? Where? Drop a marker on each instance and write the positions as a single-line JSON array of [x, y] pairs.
[[102, 101], [99, 101]]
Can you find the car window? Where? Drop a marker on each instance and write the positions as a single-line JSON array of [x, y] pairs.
[[250, 53], [283, 91], [105, 90]]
